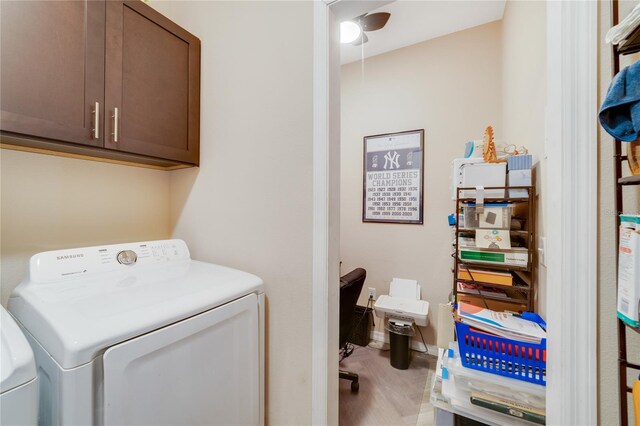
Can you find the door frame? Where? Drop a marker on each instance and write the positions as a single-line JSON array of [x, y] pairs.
[[326, 202], [572, 172], [326, 216], [571, 151]]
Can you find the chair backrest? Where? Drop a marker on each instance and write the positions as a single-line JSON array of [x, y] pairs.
[[350, 288]]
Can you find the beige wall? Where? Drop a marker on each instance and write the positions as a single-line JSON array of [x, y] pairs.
[[249, 205], [50, 203], [608, 408], [524, 69], [449, 86]]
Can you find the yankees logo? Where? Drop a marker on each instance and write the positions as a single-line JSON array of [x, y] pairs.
[[391, 161]]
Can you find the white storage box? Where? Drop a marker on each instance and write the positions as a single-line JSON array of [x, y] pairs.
[[456, 173], [485, 175], [629, 270], [519, 178]]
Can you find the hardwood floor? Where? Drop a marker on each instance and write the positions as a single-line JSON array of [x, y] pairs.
[[387, 396]]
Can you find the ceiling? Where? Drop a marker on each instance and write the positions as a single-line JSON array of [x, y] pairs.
[[414, 21]]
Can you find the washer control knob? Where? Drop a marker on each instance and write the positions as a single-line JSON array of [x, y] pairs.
[[127, 257]]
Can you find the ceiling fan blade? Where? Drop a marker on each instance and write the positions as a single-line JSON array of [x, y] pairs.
[[361, 40], [375, 21]]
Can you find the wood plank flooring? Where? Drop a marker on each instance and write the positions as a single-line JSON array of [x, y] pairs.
[[387, 396]]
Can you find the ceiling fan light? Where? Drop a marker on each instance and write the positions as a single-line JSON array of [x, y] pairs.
[[349, 31]]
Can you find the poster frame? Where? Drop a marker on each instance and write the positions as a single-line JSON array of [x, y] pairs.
[[420, 220]]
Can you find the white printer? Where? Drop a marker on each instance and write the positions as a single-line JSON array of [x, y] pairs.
[[403, 303]]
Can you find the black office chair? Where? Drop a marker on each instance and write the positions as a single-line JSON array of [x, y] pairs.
[[350, 288]]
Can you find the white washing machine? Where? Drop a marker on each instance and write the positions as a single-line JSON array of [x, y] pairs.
[[141, 334], [18, 381]]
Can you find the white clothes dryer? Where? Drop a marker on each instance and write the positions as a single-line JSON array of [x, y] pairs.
[[141, 334], [18, 381]]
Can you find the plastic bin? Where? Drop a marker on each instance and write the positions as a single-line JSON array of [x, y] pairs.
[[470, 380], [494, 216], [459, 383], [505, 357]]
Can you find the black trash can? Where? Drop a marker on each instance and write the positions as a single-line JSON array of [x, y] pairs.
[[399, 350], [399, 337]]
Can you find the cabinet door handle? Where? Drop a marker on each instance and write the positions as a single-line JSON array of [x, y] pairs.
[[115, 125], [96, 121]]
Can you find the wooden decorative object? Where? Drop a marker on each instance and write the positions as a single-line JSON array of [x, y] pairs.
[[633, 155], [489, 148]]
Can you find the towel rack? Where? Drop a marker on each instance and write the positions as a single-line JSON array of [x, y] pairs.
[[631, 45]]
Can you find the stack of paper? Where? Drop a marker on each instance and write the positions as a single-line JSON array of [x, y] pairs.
[[473, 289], [485, 276], [501, 324]]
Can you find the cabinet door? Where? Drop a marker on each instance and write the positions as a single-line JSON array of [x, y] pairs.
[[52, 68], [153, 80]]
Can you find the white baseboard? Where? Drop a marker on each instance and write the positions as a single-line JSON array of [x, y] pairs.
[[415, 345]]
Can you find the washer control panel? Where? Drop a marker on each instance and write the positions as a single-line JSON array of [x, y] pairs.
[[60, 264], [127, 257]]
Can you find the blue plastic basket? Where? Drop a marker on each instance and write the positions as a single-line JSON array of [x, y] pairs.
[[505, 357]]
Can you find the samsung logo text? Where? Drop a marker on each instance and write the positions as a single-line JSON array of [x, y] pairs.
[[70, 256]]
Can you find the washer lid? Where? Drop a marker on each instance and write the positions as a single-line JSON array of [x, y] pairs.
[[17, 366], [79, 302]]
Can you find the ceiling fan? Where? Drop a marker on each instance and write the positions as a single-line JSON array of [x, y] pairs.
[[364, 23]]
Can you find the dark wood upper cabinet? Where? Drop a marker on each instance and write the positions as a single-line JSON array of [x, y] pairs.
[[62, 61], [52, 69], [153, 80]]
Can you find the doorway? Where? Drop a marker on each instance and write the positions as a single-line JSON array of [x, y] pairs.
[[572, 25], [430, 70]]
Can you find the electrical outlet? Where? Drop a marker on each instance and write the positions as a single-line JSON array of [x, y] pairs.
[[372, 293]]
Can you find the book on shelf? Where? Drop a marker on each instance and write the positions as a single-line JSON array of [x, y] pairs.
[[517, 257], [485, 276], [493, 238], [509, 305], [501, 323], [467, 241], [508, 407]]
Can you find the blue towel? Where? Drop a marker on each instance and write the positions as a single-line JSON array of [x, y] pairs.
[[620, 111]]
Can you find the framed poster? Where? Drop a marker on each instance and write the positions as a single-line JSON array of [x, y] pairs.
[[393, 176]]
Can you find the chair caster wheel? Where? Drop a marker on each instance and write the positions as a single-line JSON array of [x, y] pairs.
[[355, 386]]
